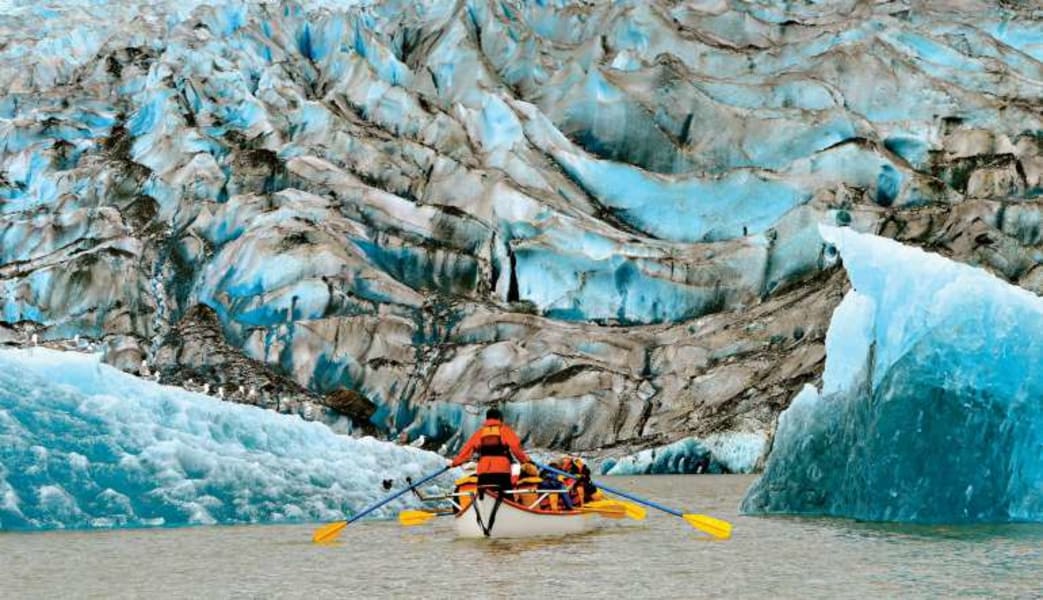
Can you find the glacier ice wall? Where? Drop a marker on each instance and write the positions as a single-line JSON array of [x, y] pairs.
[[85, 445], [384, 199], [931, 408]]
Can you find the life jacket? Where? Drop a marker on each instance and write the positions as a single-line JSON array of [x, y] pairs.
[[468, 484], [580, 487], [553, 481], [491, 443], [528, 483], [554, 501]]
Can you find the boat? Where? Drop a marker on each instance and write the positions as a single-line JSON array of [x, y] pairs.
[[479, 513], [514, 520]]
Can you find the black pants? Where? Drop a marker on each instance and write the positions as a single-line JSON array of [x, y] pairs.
[[500, 480]]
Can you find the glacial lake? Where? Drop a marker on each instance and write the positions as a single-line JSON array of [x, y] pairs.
[[661, 557]]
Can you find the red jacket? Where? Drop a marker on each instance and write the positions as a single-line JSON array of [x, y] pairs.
[[487, 433]]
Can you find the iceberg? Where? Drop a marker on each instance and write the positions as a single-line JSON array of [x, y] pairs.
[[733, 452], [931, 407], [84, 445]]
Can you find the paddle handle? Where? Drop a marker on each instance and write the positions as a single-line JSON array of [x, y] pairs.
[[374, 507], [619, 493]]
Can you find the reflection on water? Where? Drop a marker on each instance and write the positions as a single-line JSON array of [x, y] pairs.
[[661, 557], [942, 533]]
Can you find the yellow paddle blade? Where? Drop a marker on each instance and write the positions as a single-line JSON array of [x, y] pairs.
[[409, 518], [719, 529], [610, 512], [633, 511], [328, 532]]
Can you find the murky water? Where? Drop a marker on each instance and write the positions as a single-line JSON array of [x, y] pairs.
[[661, 557]]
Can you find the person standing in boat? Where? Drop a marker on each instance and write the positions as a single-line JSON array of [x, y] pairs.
[[495, 443]]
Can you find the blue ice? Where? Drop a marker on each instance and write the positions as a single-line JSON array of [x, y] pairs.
[[578, 288], [685, 210], [718, 453], [499, 127], [84, 445], [1026, 36], [931, 407]]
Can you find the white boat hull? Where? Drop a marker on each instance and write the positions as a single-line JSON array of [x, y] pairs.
[[514, 521]]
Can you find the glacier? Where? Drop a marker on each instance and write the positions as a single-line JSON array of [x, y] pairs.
[[931, 405], [83, 445], [601, 215]]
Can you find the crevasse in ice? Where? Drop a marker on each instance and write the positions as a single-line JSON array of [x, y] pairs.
[[931, 408], [85, 445]]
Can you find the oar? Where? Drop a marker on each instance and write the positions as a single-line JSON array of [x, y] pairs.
[[606, 508], [630, 509], [717, 528], [330, 531], [609, 511], [634, 511], [411, 518]]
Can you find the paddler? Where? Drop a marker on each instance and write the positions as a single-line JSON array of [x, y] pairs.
[[496, 444]]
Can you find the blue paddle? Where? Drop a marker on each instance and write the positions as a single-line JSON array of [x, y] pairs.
[[330, 531], [717, 528]]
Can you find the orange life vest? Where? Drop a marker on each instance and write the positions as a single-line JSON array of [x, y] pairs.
[[578, 482], [494, 456], [467, 484], [528, 483], [491, 443]]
